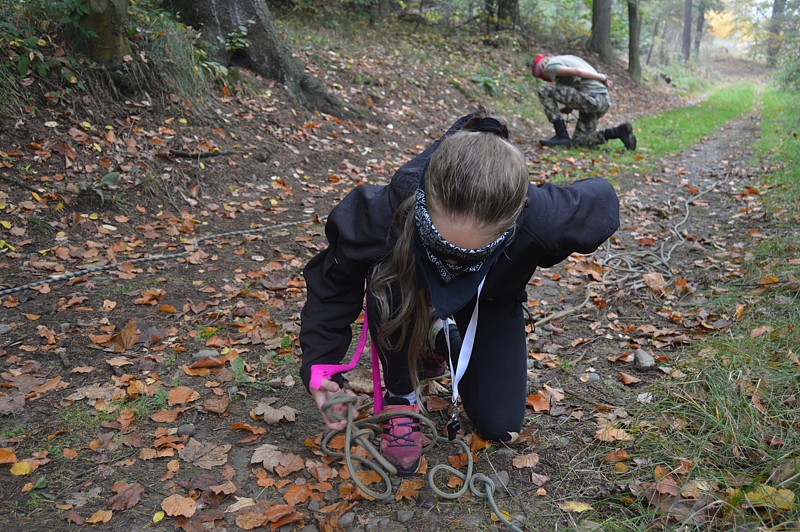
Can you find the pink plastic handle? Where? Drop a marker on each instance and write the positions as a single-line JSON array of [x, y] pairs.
[[319, 372]]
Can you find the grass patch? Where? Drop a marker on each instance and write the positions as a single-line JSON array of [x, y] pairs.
[[677, 129], [728, 435]]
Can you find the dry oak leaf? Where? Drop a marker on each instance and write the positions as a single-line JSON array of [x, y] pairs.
[[178, 505], [320, 471], [100, 517], [205, 455], [274, 415], [181, 395], [526, 460], [127, 495], [409, 489]]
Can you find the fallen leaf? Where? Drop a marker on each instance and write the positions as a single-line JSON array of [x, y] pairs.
[[100, 517], [525, 460], [268, 455], [764, 496], [409, 489], [620, 455], [274, 415], [181, 395], [205, 455], [7, 456], [178, 505], [126, 338], [21, 468], [575, 506], [628, 379], [127, 495], [609, 433], [760, 331], [540, 401]]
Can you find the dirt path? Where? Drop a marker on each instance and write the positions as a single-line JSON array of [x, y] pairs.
[[91, 403]]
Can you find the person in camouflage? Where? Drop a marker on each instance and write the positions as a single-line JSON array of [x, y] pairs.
[[576, 85]]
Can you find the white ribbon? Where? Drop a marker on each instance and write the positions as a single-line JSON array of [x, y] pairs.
[[466, 345]]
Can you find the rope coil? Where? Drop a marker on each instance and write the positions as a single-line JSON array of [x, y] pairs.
[[362, 432]]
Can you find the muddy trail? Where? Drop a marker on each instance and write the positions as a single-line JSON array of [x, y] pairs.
[[165, 393]]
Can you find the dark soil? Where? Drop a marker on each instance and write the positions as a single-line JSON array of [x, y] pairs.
[[244, 292]]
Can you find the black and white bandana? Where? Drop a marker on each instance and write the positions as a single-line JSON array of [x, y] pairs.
[[450, 260]]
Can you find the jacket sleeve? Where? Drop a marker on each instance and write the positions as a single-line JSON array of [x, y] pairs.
[[572, 219]]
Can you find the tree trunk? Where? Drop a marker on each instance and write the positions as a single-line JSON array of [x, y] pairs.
[[686, 42], [508, 13], [266, 53], [774, 30], [653, 39], [634, 35], [490, 12], [107, 21], [698, 31], [600, 41]]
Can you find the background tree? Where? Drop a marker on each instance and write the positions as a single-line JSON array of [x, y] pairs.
[[686, 42], [775, 28], [634, 39], [243, 33], [600, 40]]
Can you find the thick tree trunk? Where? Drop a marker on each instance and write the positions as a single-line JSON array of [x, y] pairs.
[[775, 30], [634, 36], [600, 41], [686, 42], [508, 13], [107, 22], [266, 54], [490, 12]]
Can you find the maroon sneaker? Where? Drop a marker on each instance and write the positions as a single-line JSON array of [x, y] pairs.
[[401, 441]]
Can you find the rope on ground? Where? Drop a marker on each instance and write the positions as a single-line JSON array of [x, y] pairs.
[[629, 267], [363, 431], [153, 258]]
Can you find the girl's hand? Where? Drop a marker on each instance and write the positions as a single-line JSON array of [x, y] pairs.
[[326, 389]]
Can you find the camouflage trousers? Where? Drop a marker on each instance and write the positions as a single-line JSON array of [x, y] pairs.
[[591, 106]]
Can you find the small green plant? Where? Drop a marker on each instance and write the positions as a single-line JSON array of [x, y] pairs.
[[237, 39], [73, 12], [106, 183]]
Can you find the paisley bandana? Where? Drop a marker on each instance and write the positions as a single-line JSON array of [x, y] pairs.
[[451, 261]]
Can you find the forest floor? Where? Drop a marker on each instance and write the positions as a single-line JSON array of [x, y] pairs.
[[172, 385]]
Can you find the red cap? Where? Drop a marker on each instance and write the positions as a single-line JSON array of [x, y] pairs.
[[538, 66]]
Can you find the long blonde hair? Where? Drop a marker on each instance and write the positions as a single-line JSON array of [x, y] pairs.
[[473, 175]]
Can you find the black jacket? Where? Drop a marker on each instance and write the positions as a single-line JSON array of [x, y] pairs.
[[557, 221]]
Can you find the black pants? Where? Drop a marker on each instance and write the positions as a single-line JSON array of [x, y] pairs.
[[494, 386]]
